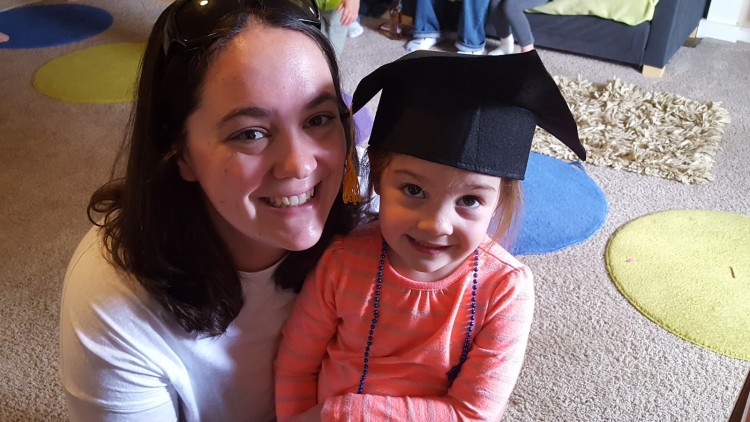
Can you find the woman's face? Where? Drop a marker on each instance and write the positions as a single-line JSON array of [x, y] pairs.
[[266, 144]]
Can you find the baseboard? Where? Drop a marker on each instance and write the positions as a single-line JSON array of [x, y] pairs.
[[720, 31], [744, 35]]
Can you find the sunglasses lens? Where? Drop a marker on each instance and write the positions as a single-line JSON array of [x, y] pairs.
[[303, 9], [197, 18]]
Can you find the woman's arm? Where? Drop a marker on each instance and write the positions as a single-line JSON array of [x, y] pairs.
[[104, 369]]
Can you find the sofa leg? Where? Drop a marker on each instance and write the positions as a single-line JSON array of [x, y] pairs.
[[652, 72], [692, 40]]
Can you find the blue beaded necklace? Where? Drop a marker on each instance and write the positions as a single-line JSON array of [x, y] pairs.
[[453, 372]]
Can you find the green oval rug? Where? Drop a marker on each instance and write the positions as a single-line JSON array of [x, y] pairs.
[[689, 272], [101, 74]]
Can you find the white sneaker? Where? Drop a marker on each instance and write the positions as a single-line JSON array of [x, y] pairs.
[[354, 30], [481, 52], [421, 44], [507, 46], [462, 50]]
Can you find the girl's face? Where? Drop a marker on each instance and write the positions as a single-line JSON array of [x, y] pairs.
[[433, 216], [266, 144]]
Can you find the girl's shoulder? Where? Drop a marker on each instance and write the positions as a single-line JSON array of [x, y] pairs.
[[496, 252], [366, 236]]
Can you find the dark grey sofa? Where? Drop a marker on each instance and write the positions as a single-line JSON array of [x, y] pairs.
[[649, 45]]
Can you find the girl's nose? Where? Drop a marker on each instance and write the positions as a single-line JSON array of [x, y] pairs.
[[437, 222]]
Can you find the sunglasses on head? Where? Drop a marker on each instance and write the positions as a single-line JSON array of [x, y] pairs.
[[192, 22]]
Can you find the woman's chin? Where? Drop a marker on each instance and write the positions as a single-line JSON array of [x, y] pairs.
[[305, 239]]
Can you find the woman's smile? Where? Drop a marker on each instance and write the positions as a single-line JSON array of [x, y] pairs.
[[290, 201]]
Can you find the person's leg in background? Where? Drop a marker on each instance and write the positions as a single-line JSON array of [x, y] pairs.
[[355, 29], [470, 33], [510, 21], [426, 25], [502, 28], [336, 33]]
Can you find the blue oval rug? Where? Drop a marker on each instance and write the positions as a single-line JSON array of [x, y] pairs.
[[563, 206], [52, 24]]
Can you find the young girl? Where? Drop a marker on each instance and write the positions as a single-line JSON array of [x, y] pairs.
[[421, 315]]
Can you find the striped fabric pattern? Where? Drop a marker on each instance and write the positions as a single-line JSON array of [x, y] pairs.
[[418, 338]]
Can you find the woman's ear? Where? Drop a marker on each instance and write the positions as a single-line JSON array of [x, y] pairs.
[[185, 165]]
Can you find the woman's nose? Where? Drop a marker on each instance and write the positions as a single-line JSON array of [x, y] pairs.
[[297, 158]]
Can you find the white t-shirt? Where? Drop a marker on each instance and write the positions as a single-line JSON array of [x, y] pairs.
[[122, 357]]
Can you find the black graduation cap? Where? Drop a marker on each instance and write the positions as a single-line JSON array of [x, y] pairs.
[[476, 113]]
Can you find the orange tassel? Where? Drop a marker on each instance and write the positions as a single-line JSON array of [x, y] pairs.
[[351, 193]]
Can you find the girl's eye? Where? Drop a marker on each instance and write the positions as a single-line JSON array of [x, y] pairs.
[[320, 120], [469, 201], [412, 190]]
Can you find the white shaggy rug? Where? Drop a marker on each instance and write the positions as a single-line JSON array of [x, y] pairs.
[[653, 133]]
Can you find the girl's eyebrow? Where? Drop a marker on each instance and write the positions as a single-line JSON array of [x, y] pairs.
[[409, 173], [469, 186], [254, 111]]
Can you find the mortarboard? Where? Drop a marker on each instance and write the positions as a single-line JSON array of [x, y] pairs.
[[475, 113]]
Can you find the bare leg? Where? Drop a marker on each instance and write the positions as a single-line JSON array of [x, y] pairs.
[[526, 48], [4, 37]]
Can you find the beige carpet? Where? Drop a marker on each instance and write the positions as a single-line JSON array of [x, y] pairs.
[[12, 4], [591, 357], [627, 127]]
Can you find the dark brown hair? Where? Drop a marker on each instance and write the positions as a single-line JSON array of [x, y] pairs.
[[156, 225]]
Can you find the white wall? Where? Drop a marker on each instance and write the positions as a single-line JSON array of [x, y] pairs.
[[745, 14], [727, 20]]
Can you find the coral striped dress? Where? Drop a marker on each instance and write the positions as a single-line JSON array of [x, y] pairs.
[[418, 338]]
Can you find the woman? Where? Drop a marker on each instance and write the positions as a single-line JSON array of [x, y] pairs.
[[232, 189]]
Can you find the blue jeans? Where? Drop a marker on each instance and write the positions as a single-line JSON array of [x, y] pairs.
[[470, 32]]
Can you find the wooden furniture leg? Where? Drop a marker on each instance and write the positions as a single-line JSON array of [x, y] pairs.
[[652, 72]]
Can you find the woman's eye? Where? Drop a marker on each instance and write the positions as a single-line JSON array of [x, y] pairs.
[[320, 120], [469, 201], [248, 135], [412, 190]]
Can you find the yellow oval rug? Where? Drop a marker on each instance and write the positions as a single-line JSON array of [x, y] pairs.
[[101, 74], [689, 272]]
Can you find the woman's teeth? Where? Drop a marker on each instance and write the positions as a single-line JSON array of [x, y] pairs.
[[291, 201]]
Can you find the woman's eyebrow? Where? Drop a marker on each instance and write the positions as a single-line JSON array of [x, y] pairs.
[[254, 111], [323, 98], [251, 111]]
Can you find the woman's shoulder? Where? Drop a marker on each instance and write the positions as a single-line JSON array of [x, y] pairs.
[[96, 293], [90, 270]]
